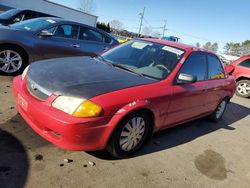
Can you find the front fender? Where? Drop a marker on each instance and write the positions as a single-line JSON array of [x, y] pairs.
[[124, 111], [132, 106]]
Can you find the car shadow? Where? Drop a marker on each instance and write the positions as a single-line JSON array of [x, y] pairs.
[[14, 163], [187, 132]]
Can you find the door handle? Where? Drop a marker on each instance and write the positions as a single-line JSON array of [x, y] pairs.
[[75, 45]]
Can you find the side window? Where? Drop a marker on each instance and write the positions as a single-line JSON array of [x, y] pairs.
[[89, 34], [215, 69], [195, 65], [19, 17], [66, 31], [245, 63], [108, 40]]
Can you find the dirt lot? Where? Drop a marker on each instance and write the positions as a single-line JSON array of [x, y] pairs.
[[197, 154]]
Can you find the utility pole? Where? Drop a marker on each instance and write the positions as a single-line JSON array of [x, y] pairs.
[[164, 28], [142, 15]]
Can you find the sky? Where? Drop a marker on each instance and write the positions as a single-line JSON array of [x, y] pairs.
[[193, 21]]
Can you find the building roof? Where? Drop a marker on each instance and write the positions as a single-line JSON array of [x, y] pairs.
[[69, 8]]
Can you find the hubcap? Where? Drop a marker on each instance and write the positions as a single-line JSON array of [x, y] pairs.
[[10, 61], [132, 133], [220, 109], [243, 88]]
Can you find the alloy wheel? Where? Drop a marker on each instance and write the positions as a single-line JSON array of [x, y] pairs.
[[243, 88], [10, 61]]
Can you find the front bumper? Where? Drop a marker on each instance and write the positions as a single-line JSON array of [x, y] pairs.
[[59, 128]]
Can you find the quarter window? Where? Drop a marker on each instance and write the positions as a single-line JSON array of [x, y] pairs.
[[195, 65], [215, 69], [91, 35], [245, 63]]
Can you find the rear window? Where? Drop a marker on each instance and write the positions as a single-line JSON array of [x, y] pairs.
[[245, 63]]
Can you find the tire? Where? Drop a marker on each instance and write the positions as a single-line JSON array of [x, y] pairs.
[[219, 111], [243, 88], [12, 60], [117, 146]]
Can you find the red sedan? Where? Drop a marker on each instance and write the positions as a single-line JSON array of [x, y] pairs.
[[241, 73], [115, 101]]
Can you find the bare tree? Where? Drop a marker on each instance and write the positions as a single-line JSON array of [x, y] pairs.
[[116, 24], [86, 5]]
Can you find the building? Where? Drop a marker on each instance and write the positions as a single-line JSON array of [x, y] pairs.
[[52, 8]]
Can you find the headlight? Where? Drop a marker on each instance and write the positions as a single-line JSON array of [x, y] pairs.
[[77, 107], [25, 72]]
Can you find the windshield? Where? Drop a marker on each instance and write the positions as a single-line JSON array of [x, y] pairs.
[[149, 59], [9, 14], [33, 24]]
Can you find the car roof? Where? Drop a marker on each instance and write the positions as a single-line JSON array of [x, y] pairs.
[[177, 45], [169, 43], [58, 20]]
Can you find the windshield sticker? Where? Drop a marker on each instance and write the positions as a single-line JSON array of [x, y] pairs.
[[140, 45], [173, 50], [51, 21]]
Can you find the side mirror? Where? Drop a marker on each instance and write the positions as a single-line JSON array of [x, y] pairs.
[[229, 69], [16, 20], [45, 33], [186, 78]]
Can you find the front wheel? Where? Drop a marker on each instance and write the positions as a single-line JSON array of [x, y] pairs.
[[129, 136], [243, 88], [219, 111], [12, 60]]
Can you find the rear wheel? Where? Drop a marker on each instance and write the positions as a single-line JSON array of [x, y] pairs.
[[243, 88], [12, 60], [129, 136], [219, 111]]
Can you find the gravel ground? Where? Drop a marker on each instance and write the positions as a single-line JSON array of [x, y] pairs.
[[196, 154]]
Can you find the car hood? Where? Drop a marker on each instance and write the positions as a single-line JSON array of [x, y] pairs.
[[7, 32], [83, 77]]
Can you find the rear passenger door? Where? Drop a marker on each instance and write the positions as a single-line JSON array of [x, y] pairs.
[[215, 83], [93, 41], [188, 98]]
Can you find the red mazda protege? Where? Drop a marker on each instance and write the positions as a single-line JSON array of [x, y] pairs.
[[116, 100]]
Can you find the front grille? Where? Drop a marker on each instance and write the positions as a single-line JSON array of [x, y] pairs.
[[36, 90]]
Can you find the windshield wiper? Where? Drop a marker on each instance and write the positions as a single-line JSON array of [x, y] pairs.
[[120, 66], [127, 69], [104, 60]]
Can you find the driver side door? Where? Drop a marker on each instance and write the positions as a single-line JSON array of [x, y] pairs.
[[63, 42], [188, 99]]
